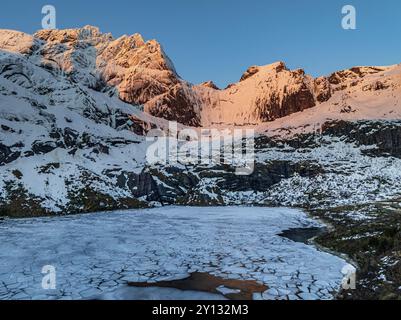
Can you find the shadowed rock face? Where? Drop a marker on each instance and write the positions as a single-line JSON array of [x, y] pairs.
[[323, 89], [290, 103], [182, 186], [178, 104], [210, 84], [384, 136], [140, 185], [7, 155]]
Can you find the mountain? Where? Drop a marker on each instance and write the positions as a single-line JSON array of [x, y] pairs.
[[140, 73], [76, 104], [271, 92]]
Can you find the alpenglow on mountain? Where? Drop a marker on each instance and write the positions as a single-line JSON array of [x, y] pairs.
[[140, 73], [76, 104]]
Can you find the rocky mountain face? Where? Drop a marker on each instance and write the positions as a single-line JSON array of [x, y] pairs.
[[140, 73], [272, 92], [139, 70], [263, 94], [75, 106], [134, 70]]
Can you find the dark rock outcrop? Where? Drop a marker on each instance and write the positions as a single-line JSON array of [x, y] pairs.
[[179, 104], [7, 155], [43, 147], [141, 185], [383, 136]]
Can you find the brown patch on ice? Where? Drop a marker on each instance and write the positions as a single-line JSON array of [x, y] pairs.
[[205, 282]]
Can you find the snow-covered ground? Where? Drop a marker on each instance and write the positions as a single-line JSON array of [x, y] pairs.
[[97, 254], [75, 106]]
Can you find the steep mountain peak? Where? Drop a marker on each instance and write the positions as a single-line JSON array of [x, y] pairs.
[[209, 84], [250, 72], [86, 33], [16, 41], [139, 70], [354, 73], [263, 70], [263, 94], [277, 66], [138, 40]]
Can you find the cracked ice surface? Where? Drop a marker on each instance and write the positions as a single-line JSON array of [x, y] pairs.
[[98, 253]]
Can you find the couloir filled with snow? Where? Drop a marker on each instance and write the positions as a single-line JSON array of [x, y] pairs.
[[97, 254]]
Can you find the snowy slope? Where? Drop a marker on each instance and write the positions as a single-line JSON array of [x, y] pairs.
[[50, 123], [75, 106]]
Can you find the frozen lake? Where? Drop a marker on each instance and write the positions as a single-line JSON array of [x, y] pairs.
[[96, 255]]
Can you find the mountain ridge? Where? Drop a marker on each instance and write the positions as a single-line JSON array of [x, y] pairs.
[[141, 73]]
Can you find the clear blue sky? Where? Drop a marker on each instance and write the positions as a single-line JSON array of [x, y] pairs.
[[219, 39]]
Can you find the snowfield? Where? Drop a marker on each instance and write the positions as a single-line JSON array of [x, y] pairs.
[[97, 254]]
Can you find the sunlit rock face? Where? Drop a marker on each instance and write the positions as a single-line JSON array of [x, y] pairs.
[[264, 93], [134, 70], [140, 73], [139, 70], [267, 93]]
